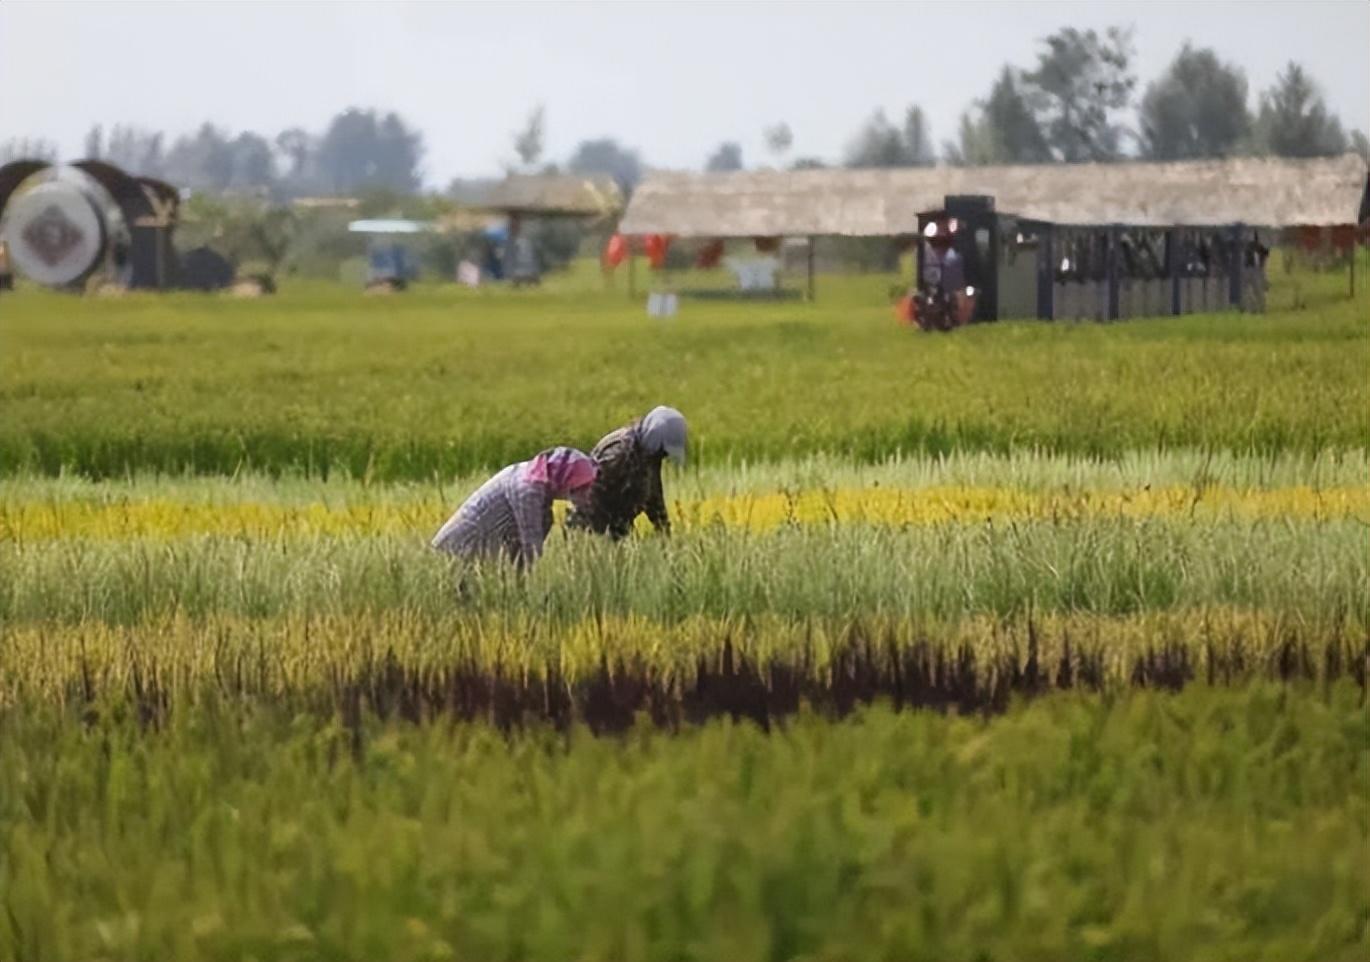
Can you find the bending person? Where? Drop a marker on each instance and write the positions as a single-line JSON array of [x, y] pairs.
[[629, 480], [510, 515]]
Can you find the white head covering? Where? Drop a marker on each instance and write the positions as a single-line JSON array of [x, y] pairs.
[[663, 429]]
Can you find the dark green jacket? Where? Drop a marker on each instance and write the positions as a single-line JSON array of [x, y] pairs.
[[628, 484]]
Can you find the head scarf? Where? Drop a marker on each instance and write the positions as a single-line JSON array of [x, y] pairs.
[[663, 429], [561, 469]]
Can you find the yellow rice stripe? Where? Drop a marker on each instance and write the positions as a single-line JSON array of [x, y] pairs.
[[36, 521], [278, 655]]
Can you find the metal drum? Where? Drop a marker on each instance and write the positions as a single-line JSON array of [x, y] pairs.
[[55, 232]]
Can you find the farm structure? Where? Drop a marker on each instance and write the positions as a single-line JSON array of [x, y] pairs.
[[1024, 268], [389, 262], [520, 198], [63, 224], [1152, 222]]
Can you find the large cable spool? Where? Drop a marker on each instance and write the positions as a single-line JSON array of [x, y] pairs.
[[56, 232], [66, 225]]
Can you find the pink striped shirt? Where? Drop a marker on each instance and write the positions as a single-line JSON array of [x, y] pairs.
[[506, 517]]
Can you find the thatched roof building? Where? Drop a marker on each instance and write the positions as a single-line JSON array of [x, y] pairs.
[[568, 195], [1264, 192]]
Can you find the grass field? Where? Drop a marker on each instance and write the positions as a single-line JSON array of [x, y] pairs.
[[439, 382], [1029, 642]]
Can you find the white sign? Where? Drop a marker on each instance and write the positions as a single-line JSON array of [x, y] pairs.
[[662, 305], [755, 275]]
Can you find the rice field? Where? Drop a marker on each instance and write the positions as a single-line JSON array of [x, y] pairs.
[[1045, 641], [1225, 823], [442, 383]]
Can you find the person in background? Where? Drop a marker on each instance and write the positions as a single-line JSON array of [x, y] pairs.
[[629, 479], [943, 264], [945, 301], [510, 515], [6, 278]]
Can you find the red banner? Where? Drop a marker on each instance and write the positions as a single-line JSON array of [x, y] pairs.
[[710, 255], [657, 245], [616, 251]]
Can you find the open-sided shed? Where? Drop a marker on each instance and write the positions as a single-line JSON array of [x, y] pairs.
[[1269, 193]]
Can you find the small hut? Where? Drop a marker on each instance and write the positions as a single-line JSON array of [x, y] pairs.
[[390, 264], [521, 198]]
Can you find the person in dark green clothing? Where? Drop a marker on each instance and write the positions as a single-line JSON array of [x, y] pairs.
[[629, 478]]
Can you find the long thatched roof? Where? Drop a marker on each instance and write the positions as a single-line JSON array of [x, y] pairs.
[[550, 194], [1264, 192]]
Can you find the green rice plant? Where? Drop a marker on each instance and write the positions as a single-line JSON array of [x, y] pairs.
[[1102, 565], [610, 672], [445, 381], [1019, 470], [245, 711], [1215, 824]]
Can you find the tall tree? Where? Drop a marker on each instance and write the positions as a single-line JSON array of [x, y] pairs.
[[28, 148], [135, 150], [363, 149], [779, 139], [975, 143], [880, 144], [727, 156], [253, 162], [296, 145], [528, 142], [1012, 129], [298, 151], [607, 157], [95, 142], [1082, 83], [1197, 108], [918, 148], [202, 160], [1294, 120], [999, 129], [1361, 144], [401, 150], [877, 144]]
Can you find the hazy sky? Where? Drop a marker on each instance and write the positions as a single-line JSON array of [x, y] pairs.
[[672, 80]]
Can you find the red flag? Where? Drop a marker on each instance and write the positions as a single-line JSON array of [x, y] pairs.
[[656, 250], [710, 255], [615, 251]]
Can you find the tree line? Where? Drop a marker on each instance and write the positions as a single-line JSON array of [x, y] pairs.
[[358, 149], [1073, 105]]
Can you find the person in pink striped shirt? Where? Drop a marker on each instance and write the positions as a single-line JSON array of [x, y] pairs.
[[510, 515]]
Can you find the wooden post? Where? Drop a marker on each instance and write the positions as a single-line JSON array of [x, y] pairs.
[[1172, 263], [809, 257], [1353, 267], [1237, 261], [1112, 269], [1046, 273]]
